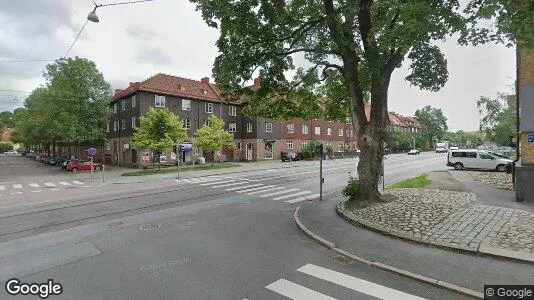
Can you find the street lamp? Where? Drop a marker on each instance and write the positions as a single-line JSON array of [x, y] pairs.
[[93, 17]]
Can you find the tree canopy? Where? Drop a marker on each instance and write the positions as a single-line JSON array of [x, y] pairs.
[[498, 118], [212, 138], [433, 122], [160, 129], [358, 44], [7, 119]]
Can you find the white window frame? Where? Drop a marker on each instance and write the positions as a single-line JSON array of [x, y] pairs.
[[134, 100], [207, 123], [123, 104], [328, 144], [161, 102], [115, 125], [232, 110], [107, 127], [133, 122], [290, 128], [232, 127], [340, 132], [238, 146], [317, 130], [208, 107], [108, 146], [249, 127], [268, 127], [304, 144], [115, 107], [123, 124], [186, 104], [289, 145], [329, 131], [304, 129], [187, 123]]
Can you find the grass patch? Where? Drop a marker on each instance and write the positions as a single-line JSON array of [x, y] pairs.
[[418, 182], [173, 169]]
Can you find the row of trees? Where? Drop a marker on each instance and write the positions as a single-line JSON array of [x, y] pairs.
[[160, 130], [498, 118]]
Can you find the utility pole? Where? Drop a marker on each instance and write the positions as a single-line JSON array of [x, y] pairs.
[[321, 179]]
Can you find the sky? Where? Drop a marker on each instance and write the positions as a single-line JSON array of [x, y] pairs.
[[133, 42]]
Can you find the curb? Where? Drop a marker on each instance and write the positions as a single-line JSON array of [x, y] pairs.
[[422, 278], [478, 249]]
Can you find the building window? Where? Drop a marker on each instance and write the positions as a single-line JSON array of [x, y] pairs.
[[289, 145], [159, 101], [108, 146], [290, 128], [115, 125], [207, 123], [107, 127], [268, 127], [328, 144], [134, 100], [115, 107], [249, 127], [232, 127], [238, 146], [340, 132], [208, 107], [123, 104], [123, 124], [346, 132], [187, 123], [304, 129], [232, 111], [329, 131], [133, 122], [186, 104], [317, 130], [304, 144]]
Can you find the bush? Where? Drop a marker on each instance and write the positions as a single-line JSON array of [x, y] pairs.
[[6, 146], [309, 151], [352, 189]]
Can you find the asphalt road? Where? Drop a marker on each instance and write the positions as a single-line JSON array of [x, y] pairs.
[[228, 236]]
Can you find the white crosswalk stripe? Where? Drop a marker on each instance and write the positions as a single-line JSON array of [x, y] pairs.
[[278, 193], [255, 189], [77, 182], [229, 184], [243, 187], [49, 184], [291, 195], [34, 185], [217, 182], [296, 291], [308, 197], [266, 190], [64, 183], [2, 187], [17, 186]]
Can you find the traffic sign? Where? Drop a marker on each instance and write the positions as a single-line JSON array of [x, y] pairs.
[[91, 151]]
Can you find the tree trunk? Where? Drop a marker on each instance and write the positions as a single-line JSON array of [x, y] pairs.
[[369, 164]]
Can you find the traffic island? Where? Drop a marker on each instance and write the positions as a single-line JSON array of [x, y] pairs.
[[448, 218]]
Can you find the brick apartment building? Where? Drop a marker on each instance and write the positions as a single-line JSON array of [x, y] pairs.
[[194, 101]]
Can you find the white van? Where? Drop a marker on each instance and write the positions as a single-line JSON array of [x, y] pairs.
[[476, 159]]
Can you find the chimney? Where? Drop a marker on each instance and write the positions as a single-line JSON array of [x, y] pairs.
[[257, 82], [205, 80]]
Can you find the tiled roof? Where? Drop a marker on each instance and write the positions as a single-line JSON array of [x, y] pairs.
[[173, 86]]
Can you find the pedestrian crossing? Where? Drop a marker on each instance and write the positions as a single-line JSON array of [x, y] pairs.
[[252, 187], [12, 188], [296, 291]]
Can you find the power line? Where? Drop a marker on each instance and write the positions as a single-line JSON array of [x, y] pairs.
[[14, 91], [27, 60], [76, 38], [120, 3]]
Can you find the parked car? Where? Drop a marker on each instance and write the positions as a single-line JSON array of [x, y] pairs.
[[476, 159], [454, 148], [414, 152], [284, 156], [12, 153], [66, 162], [76, 165], [441, 150]]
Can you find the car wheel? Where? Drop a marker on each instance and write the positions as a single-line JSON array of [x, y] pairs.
[[458, 166], [501, 168]]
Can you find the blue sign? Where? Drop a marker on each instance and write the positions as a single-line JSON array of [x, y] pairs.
[[91, 151], [186, 147], [531, 138]]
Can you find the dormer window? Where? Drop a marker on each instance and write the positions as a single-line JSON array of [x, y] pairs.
[[205, 92], [182, 88]]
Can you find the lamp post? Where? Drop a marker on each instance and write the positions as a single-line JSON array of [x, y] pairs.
[[93, 17]]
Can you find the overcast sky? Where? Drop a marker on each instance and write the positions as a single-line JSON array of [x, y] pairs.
[[134, 42]]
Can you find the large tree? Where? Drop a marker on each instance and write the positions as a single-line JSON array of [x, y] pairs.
[[499, 118], [359, 43], [212, 137], [7, 119], [433, 122]]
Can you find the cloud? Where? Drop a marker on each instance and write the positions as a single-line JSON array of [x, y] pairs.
[[153, 55], [137, 32]]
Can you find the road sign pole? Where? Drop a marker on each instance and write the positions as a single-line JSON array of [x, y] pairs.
[[92, 168], [321, 177], [103, 176]]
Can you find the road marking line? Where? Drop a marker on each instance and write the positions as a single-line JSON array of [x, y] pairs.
[[243, 187], [77, 182], [16, 193], [302, 198], [87, 186], [218, 182], [195, 180], [296, 291], [34, 185], [267, 190], [229, 184], [356, 284], [17, 186], [54, 189], [278, 193], [2, 187], [64, 183], [49, 184], [255, 189], [291, 195], [36, 191]]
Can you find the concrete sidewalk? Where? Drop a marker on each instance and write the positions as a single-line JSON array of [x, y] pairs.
[[430, 264]]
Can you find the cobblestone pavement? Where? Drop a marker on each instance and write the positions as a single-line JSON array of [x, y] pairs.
[[449, 218], [499, 180]]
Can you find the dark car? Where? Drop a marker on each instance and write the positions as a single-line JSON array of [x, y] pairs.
[[284, 156]]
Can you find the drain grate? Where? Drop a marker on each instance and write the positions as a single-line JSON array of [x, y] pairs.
[[115, 224], [148, 227]]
